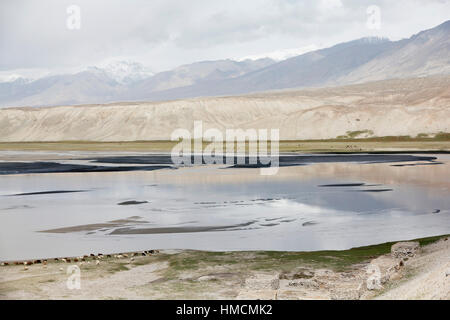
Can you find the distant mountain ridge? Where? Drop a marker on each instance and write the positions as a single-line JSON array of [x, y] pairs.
[[405, 107], [368, 59], [115, 83]]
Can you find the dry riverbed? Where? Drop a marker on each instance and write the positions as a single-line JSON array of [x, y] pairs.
[[421, 274]]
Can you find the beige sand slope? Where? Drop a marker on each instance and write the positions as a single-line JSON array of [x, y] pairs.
[[391, 107]]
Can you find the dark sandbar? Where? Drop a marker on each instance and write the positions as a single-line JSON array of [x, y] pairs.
[[46, 192], [342, 185], [130, 203], [124, 231], [374, 190], [55, 167]]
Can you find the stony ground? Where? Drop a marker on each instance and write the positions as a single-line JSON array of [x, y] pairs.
[[426, 276], [423, 274]]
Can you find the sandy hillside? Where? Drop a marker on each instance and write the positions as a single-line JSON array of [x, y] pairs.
[[392, 107], [427, 276]]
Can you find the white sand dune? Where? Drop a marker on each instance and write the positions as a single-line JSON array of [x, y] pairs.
[[386, 108]]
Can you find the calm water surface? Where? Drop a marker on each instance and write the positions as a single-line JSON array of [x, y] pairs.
[[313, 207]]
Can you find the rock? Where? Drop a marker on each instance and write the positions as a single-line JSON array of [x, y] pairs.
[[298, 274], [305, 283], [396, 276], [207, 278], [323, 273], [263, 282], [402, 250], [376, 276], [447, 273], [349, 294], [246, 294], [97, 262], [381, 270], [373, 284]]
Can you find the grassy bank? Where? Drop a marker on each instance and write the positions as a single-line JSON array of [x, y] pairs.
[[265, 260], [281, 261], [344, 145]]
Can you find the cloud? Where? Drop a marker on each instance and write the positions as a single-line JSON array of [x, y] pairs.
[[165, 33], [326, 5]]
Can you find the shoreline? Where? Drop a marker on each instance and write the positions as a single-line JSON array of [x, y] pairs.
[[88, 255]]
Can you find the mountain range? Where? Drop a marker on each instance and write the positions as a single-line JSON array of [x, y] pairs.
[[369, 59]]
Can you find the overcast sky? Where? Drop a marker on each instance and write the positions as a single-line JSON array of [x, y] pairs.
[[163, 34]]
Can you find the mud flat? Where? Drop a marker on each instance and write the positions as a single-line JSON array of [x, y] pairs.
[[184, 274]]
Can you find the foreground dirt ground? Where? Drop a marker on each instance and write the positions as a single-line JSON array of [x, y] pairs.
[[361, 273]]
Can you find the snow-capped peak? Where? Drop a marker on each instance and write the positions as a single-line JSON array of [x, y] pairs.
[[124, 71], [282, 54]]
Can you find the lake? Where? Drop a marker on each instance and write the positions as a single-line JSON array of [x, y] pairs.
[[71, 205]]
